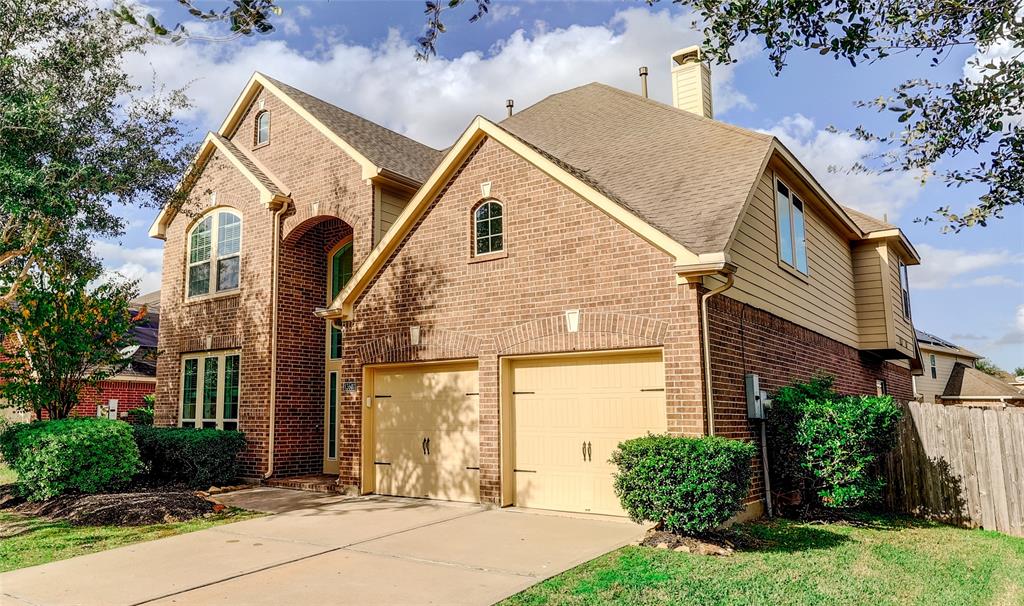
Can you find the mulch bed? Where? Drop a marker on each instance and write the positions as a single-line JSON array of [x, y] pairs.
[[721, 543], [161, 505]]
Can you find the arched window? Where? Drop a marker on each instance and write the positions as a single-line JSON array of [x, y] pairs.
[[488, 231], [214, 253], [340, 270], [263, 128]]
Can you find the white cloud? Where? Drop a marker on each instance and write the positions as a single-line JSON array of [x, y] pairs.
[[134, 263], [434, 101], [957, 268], [829, 155], [502, 12], [1016, 335]]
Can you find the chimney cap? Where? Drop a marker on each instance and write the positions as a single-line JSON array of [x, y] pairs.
[[690, 54], [643, 70]]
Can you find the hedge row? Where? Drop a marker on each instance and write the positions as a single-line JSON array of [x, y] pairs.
[[195, 457]]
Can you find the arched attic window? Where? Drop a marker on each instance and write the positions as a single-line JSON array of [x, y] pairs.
[[262, 128], [488, 228], [214, 253]]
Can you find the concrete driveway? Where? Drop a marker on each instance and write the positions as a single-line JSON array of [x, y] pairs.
[[320, 549]]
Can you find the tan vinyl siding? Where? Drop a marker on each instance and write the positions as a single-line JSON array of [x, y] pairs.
[[389, 204], [687, 96], [825, 300], [872, 310], [927, 387]]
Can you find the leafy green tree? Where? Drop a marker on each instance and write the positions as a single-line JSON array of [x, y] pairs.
[[977, 117], [1019, 371], [989, 367], [62, 335], [76, 136]]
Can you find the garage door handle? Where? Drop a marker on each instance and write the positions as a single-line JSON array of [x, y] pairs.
[[427, 443], [423, 446], [590, 451], [584, 450]]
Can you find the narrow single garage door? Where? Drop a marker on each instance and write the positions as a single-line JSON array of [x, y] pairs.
[[569, 414], [426, 432]]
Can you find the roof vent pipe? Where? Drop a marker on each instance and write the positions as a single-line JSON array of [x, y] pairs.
[[509, 105], [643, 81]]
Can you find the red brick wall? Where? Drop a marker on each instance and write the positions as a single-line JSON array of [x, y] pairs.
[[298, 441], [748, 340], [324, 183], [562, 253], [128, 394]]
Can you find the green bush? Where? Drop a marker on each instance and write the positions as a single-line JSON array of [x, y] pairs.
[[196, 457], [827, 446], [689, 485], [52, 458], [141, 416]]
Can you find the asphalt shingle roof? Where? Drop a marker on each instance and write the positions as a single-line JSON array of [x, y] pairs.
[[684, 174], [382, 146], [965, 382], [867, 223]]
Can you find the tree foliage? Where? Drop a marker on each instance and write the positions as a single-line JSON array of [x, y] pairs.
[[76, 136], [989, 367], [61, 336]]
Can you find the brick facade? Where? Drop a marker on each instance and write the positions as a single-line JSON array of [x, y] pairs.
[[129, 395], [562, 253]]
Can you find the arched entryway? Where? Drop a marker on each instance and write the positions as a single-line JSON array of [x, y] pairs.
[[315, 262]]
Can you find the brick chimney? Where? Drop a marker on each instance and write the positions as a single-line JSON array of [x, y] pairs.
[[691, 82]]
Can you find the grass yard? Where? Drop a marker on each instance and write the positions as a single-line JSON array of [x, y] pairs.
[[886, 560], [28, 541]]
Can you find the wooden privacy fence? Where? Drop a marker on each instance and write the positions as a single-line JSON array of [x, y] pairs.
[[961, 465]]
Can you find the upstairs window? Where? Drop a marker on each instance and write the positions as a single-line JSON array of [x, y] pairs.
[[905, 289], [789, 212], [214, 254], [488, 231], [340, 271], [263, 128], [931, 362]]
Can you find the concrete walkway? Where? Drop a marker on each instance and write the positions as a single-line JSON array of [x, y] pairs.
[[323, 549]]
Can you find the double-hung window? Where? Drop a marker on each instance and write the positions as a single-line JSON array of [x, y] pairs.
[[789, 213], [214, 254], [931, 362], [209, 390]]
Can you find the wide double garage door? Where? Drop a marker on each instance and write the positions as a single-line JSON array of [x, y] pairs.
[[566, 415]]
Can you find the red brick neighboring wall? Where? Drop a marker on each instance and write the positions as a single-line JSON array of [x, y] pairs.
[[562, 253], [128, 394], [748, 340]]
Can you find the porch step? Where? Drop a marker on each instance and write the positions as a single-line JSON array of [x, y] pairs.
[[311, 483]]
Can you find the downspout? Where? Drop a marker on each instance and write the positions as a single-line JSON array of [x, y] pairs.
[[707, 347], [273, 340]]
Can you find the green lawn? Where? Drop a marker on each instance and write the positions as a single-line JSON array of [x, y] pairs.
[[28, 541], [886, 561]]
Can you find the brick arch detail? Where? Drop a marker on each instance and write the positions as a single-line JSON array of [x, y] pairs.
[[302, 219], [397, 346], [597, 330]]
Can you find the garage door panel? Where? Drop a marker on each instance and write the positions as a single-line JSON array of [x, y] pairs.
[[595, 400], [414, 404]]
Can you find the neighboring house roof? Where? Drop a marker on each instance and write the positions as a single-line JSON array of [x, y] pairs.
[[684, 174], [151, 300], [932, 342], [384, 147], [966, 383]]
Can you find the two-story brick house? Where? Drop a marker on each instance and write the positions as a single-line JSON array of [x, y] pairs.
[[486, 323]]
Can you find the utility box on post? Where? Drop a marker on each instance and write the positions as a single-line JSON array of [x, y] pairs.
[[755, 397]]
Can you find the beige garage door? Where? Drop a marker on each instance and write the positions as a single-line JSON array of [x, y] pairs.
[[426, 432], [569, 414]]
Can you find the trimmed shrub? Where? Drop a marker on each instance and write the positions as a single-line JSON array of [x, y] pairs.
[[195, 457], [88, 455], [827, 446], [141, 416], [687, 485]]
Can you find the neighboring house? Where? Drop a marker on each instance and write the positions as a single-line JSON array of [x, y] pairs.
[[968, 386], [938, 356], [487, 322]]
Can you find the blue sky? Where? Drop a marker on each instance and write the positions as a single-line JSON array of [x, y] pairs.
[[359, 55]]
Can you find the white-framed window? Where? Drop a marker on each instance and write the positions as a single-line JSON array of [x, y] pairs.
[[931, 362], [210, 385], [214, 253], [263, 128], [905, 289], [488, 228], [789, 213]]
